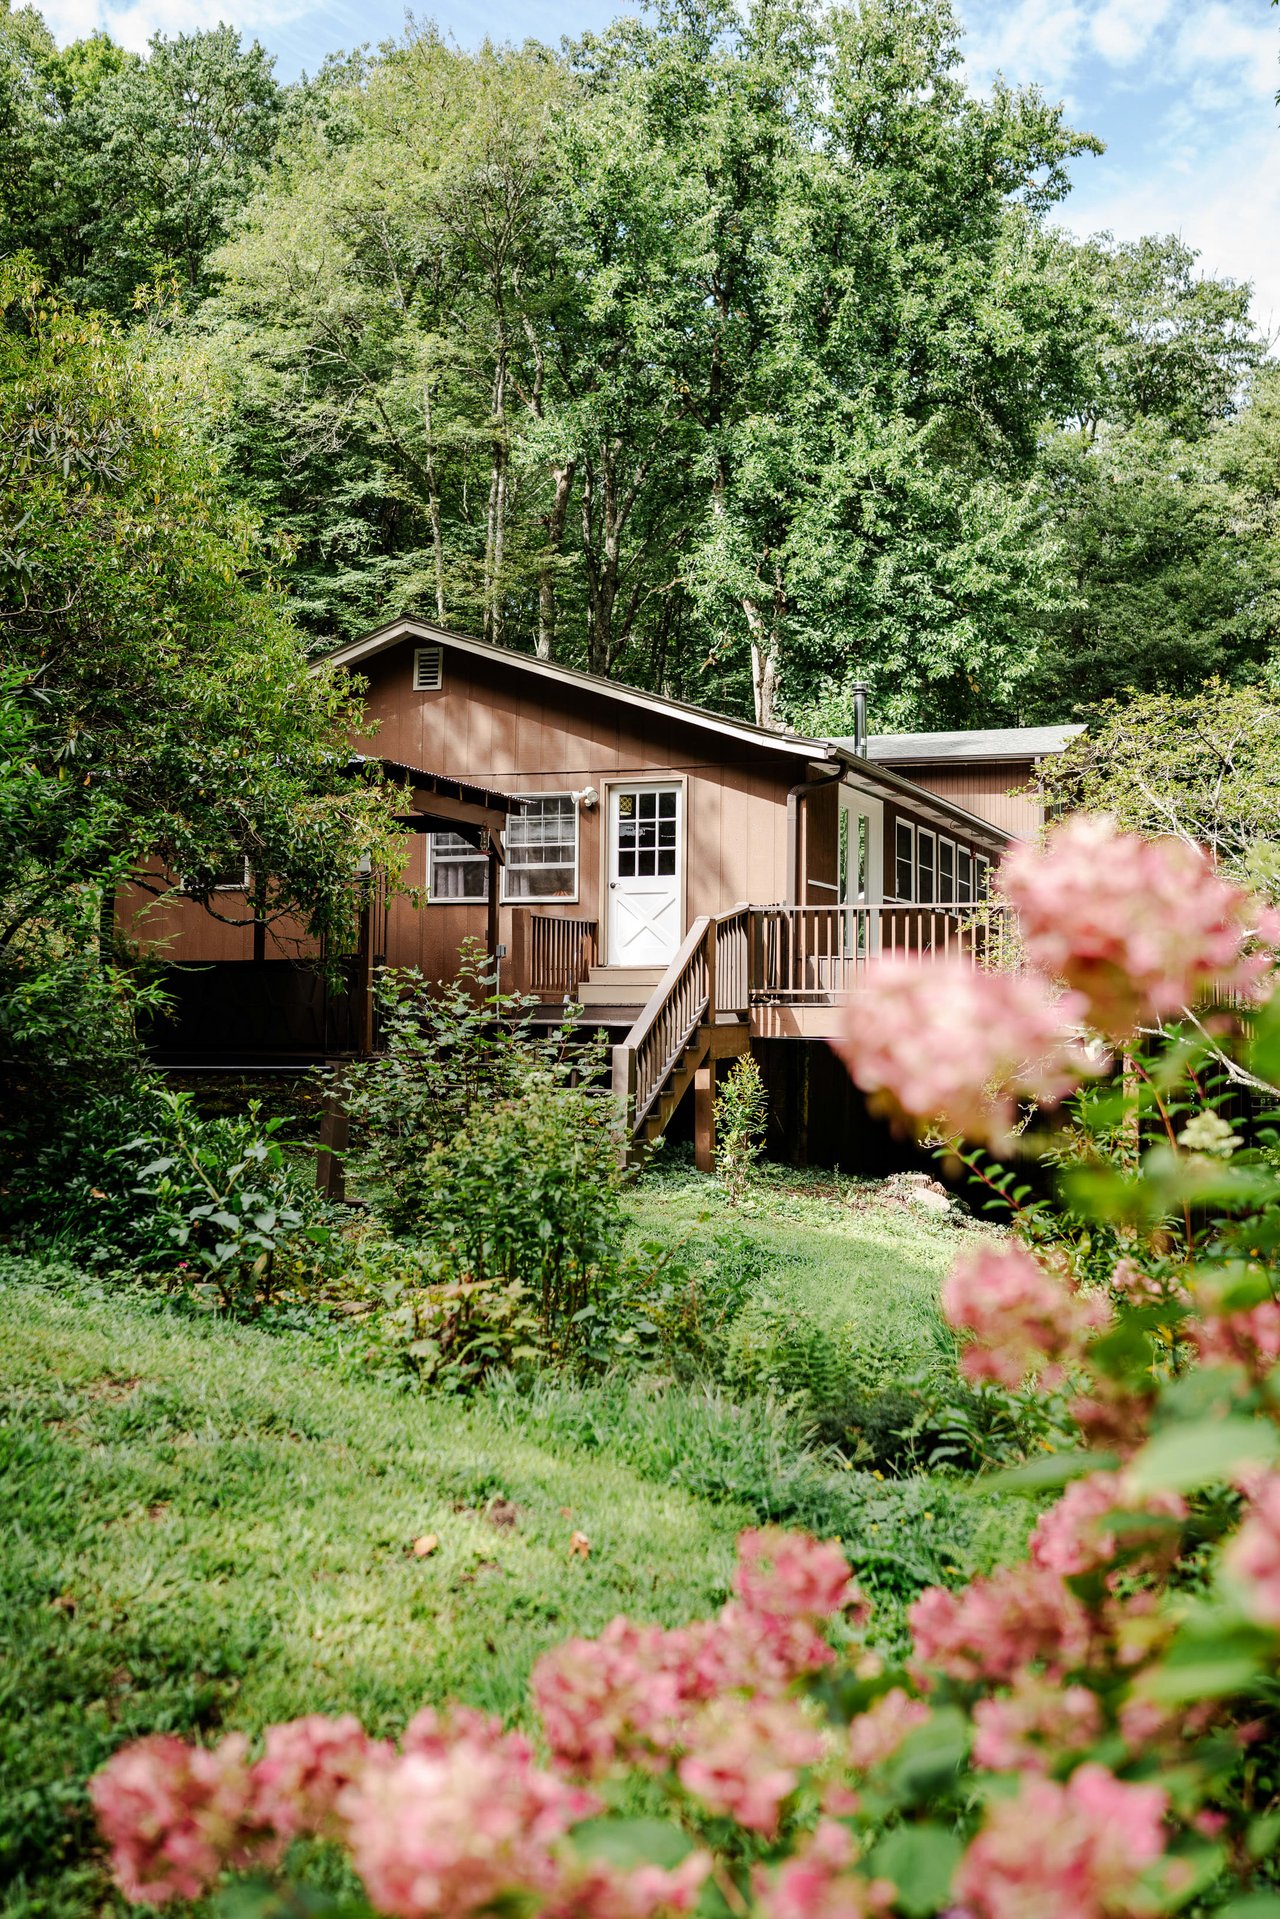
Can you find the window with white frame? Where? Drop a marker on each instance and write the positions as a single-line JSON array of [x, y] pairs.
[[926, 872], [456, 870], [904, 860], [981, 877], [964, 875], [542, 849], [947, 872]]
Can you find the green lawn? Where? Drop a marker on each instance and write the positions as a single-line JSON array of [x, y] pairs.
[[209, 1526], [206, 1526], [864, 1266]]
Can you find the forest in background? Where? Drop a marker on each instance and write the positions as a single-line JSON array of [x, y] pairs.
[[731, 352]]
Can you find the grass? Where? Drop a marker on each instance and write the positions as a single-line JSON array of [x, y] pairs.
[[862, 1266], [207, 1526]]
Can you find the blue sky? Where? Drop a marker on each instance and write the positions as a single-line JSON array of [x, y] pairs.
[[1182, 91]]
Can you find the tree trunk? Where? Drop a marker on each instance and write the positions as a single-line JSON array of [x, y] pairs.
[[433, 507], [496, 521], [555, 523]]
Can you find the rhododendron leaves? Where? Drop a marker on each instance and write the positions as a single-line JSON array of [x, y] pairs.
[[1050, 1471], [1197, 1455], [921, 1861], [626, 1843]]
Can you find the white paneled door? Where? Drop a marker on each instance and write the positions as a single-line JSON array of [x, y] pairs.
[[645, 853]]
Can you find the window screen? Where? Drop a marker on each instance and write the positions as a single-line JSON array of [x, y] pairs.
[[925, 853], [904, 861], [457, 871], [647, 826], [964, 875], [947, 872], [542, 849], [981, 877]]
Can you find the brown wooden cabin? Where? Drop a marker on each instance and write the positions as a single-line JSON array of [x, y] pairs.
[[700, 884]]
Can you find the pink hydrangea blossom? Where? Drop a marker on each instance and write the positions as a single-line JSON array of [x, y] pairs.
[[1028, 1728], [174, 1815], [1250, 1339], [818, 1882], [944, 1041], [626, 1697], [995, 1627], [444, 1836], [1020, 1317], [1253, 1557], [745, 1758], [1141, 928], [591, 1889], [1073, 1851], [305, 1764], [876, 1734], [1070, 1538], [793, 1576]]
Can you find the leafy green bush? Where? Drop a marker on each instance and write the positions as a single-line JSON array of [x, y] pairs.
[[494, 1150], [220, 1208], [741, 1119], [450, 1051]]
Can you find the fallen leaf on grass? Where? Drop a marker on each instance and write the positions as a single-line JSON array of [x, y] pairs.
[[579, 1547], [502, 1513], [425, 1546], [65, 1602]]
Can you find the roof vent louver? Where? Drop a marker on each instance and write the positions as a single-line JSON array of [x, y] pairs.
[[428, 669]]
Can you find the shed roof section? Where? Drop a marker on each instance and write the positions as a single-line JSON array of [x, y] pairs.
[[985, 743]]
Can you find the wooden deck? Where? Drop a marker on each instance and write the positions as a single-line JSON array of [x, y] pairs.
[[777, 972]]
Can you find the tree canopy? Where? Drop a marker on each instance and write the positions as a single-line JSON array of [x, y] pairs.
[[733, 351]]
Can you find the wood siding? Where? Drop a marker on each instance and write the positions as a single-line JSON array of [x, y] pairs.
[[990, 791], [496, 726]]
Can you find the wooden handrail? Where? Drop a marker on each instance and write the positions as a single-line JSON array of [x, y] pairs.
[[681, 1001], [819, 952]]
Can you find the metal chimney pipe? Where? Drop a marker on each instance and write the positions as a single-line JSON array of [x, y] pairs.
[[860, 718]]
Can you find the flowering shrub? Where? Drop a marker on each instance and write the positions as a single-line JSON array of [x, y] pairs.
[[1091, 1734]]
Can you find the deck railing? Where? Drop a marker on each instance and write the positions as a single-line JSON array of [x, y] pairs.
[[561, 952], [819, 952], [733, 962], [681, 1001]]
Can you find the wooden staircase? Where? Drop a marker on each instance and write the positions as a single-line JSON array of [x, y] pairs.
[[697, 1012]]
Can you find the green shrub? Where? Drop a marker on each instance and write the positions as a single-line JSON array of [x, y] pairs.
[[449, 1053], [219, 1208], [741, 1119], [494, 1150]]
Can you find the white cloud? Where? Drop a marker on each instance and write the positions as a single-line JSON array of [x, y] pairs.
[[1121, 30], [1227, 206], [134, 25]]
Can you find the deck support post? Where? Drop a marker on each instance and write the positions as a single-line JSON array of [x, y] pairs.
[[331, 1178], [704, 1117], [491, 913]]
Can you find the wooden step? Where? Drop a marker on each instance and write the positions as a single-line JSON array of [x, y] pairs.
[[611, 993], [629, 982]]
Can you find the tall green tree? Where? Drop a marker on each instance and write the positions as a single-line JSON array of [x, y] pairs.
[[164, 724], [114, 168]]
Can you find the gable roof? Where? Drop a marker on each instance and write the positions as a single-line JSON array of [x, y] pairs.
[[880, 782], [796, 745], [986, 743]]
